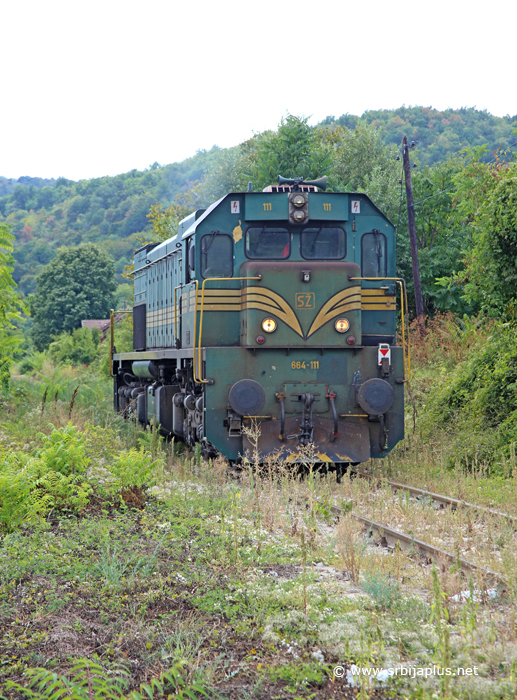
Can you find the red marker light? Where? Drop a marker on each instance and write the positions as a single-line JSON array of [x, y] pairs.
[[350, 340], [260, 339]]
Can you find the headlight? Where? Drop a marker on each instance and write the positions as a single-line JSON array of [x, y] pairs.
[[269, 325], [342, 325]]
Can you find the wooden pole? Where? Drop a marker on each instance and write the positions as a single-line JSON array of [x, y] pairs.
[[419, 302], [112, 339]]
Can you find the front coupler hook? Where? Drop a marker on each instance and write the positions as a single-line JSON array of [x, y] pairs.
[[281, 397], [307, 428], [331, 396]]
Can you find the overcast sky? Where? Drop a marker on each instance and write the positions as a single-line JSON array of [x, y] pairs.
[[99, 88]]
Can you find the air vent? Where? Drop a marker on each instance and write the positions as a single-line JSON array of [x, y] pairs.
[[287, 188]]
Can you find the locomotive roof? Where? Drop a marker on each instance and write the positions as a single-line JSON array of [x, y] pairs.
[[213, 206], [185, 230]]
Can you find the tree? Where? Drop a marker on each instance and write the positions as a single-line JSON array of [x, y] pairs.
[[293, 151], [229, 172], [78, 284], [443, 237], [165, 221], [359, 161], [482, 250], [10, 305], [490, 276]]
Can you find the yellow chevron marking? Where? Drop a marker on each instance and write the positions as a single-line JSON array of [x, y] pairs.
[[346, 300], [239, 299], [262, 299], [267, 300]]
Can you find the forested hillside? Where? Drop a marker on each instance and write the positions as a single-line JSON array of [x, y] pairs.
[[44, 215], [8, 184], [112, 212], [438, 134]]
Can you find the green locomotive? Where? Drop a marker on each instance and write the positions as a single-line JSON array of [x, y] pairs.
[[274, 308]]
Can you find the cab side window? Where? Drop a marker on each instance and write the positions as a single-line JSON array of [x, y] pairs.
[[216, 255], [373, 254], [190, 260]]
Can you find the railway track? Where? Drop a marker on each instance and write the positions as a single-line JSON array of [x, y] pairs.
[[443, 500], [389, 537]]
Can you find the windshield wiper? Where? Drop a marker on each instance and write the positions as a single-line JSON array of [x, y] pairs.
[[316, 238], [207, 244], [259, 239]]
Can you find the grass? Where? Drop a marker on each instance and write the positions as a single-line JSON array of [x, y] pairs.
[[237, 587]]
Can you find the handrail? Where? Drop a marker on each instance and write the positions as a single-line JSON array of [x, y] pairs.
[[403, 298], [180, 286], [209, 279], [196, 282], [112, 334]]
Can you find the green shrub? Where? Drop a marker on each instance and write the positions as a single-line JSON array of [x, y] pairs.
[[52, 490], [385, 593], [133, 472], [33, 363], [17, 502], [476, 401], [63, 451], [30, 487], [81, 347], [26, 365], [57, 471]]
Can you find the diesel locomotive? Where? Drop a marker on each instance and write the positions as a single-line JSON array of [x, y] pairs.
[[273, 309]]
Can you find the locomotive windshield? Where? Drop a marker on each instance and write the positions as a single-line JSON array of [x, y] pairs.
[[268, 243], [323, 243]]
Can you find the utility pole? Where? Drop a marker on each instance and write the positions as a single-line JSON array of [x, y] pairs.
[[419, 302]]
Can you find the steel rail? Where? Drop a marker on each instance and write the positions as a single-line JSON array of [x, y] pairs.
[[437, 555], [438, 497]]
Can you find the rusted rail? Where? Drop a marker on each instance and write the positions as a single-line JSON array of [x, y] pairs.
[[439, 498], [437, 555]]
